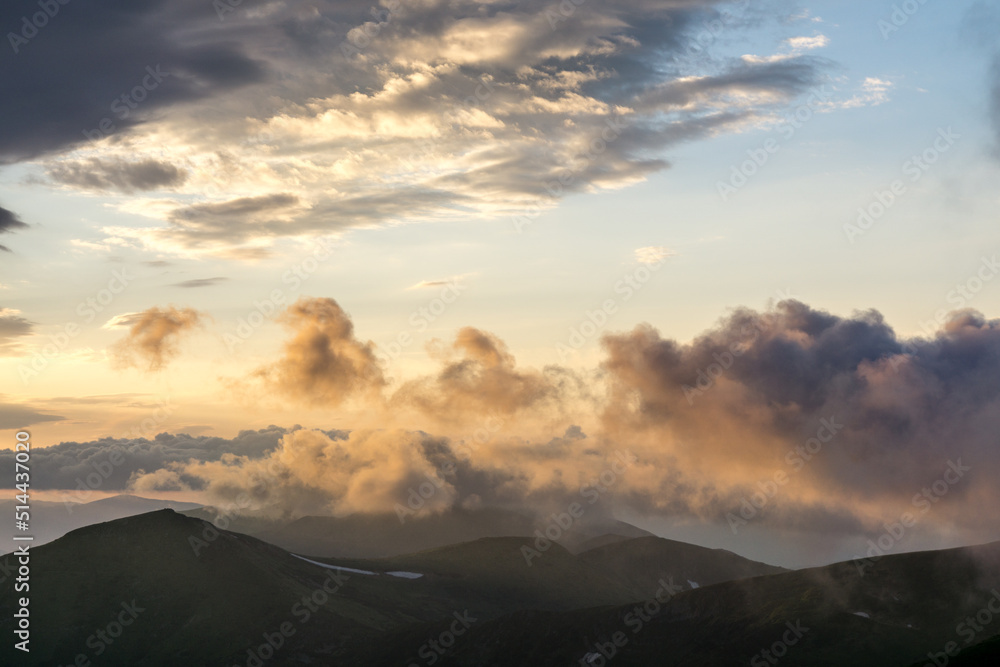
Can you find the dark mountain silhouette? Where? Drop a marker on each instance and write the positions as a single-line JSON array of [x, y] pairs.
[[167, 589]]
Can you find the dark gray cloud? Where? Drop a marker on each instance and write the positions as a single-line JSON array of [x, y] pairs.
[[60, 466], [9, 221], [201, 282], [98, 174], [12, 327], [759, 384], [13, 415], [429, 111], [236, 219], [69, 73]]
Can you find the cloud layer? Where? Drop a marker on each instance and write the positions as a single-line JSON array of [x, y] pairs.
[[316, 117], [856, 420]]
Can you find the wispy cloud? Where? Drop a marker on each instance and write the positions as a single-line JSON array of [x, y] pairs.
[[425, 284], [799, 44], [201, 282], [9, 222], [19, 415], [154, 336], [13, 327], [653, 254]]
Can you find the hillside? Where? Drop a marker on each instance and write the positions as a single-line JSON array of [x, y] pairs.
[[643, 562], [196, 608], [51, 520], [384, 535], [208, 596], [492, 576], [191, 595], [986, 654], [904, 607]]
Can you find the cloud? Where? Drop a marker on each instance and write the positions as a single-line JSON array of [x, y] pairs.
[[154, 336], [874, 91], [62, 466], [857, 418], [323, 363], [451, 110], [653, 254], [807, 43], [241, 217], [123, 320], [15, 415], [84, 85], [127, 177], [425, 284], [479, 377], [13, 327], [8, 223], [201, 282], [312, 472], [727, 409]]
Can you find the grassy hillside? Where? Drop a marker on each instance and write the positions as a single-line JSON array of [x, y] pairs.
[[384, 535], [380, 535], [902, 608], [210, 602], [643, 562], [204, 608], [493, 576], [52, 520], [207, 596]]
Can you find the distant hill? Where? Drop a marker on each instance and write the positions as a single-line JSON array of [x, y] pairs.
[[904, 607], [493, 576], [194, 595], [51, 520], [384, 535], [208, 607], [600, 541], [641, 563], [208, 596]]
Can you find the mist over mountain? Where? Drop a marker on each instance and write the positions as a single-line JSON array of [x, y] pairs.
[[161, 587]]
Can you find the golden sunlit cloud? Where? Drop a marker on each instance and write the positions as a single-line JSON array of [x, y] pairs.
[[323, 363], [154, 336]]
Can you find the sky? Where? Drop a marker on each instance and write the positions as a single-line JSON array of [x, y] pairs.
[[345, 237]]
